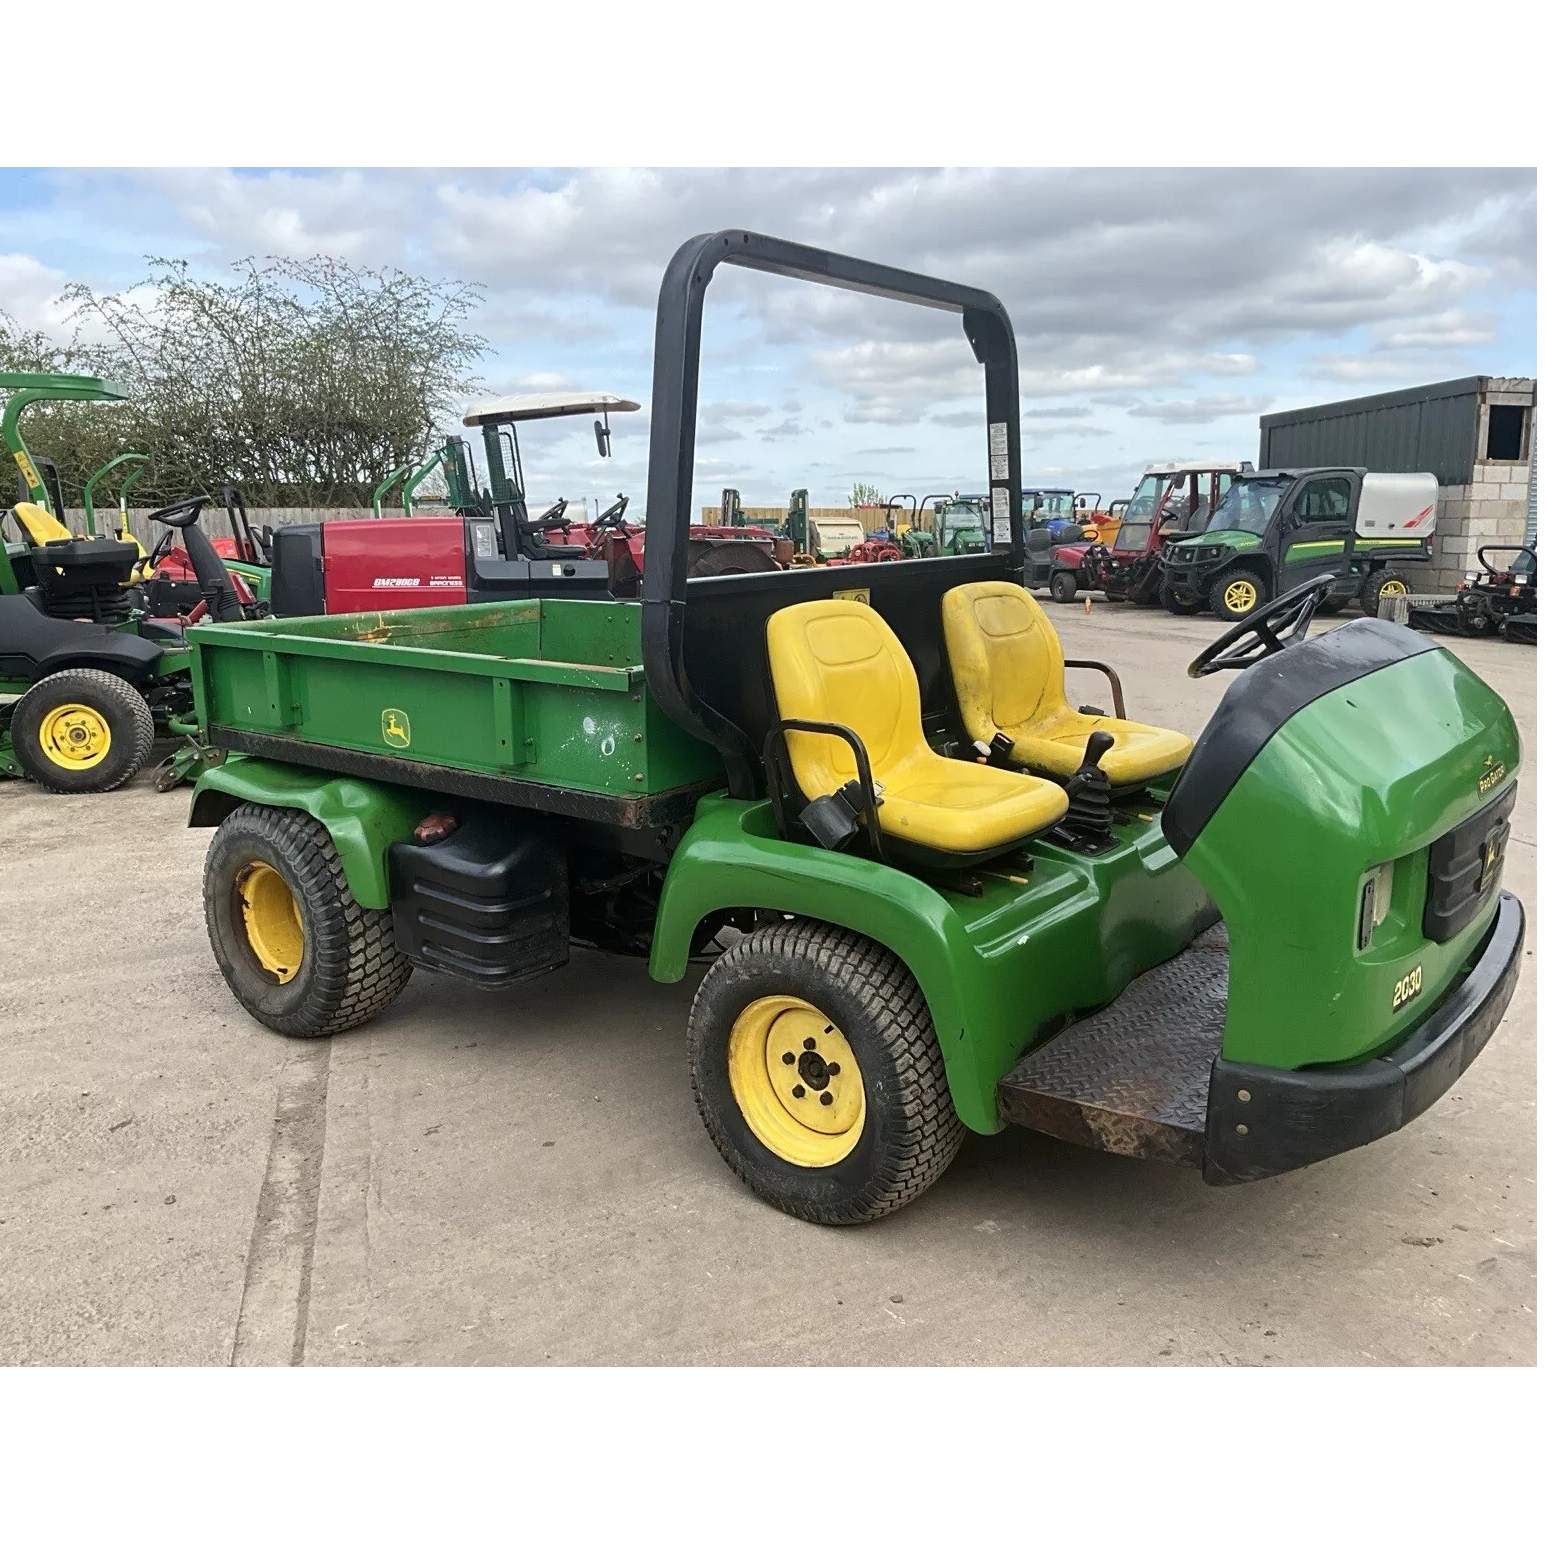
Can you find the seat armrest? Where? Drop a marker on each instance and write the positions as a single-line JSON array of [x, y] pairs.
[[775, 759], [1110, 674]]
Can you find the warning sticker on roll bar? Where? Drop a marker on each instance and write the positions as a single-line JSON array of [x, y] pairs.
[[1000, 516], [998, 451]]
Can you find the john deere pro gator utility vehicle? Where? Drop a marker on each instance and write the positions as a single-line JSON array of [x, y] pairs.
[[941, 897], [1275, 530]]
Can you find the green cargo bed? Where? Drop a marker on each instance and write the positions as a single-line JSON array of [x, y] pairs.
[[538, 702]]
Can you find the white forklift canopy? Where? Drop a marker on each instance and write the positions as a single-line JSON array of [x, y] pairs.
[[545, 405]]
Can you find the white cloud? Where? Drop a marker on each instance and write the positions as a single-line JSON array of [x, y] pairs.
[[28, 289], [1201, 410], [1452, 329]]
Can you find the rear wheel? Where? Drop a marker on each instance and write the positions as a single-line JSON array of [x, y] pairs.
[[1236, 594], [728, 555], [1181, 606], [818, 1074], [1064, 585], [1376, 586], [82, 732], [297, 950]]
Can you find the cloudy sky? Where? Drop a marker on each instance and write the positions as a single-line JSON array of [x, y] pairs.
[[1158, 313]]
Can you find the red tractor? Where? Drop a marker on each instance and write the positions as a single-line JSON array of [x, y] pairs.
[[1173, 499]]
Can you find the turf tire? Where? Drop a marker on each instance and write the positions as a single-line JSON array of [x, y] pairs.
[[351, 968], [911, 1132], [1064, 585], [131, 730]]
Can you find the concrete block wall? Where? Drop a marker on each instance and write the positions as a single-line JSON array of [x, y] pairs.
[[1491, 508]]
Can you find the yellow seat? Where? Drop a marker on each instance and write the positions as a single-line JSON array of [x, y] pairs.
[[839, 661], [38, 526], [1008, 670]]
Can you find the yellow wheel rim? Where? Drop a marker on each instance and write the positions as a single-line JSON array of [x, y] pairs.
[[796, 1080], [74, 736], [271, 920], [1239, 596], [1393, 587]]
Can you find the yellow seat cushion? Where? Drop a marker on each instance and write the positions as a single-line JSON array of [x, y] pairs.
[[839, 661], [1008, 670], [39, 526]]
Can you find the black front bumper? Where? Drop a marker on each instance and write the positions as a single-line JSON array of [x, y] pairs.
[[1264, 1121], [1190, 581]]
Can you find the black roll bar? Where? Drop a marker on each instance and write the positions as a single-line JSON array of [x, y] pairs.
[[673, 435]]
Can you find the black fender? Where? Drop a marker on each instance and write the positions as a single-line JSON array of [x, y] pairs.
[[34, 645]]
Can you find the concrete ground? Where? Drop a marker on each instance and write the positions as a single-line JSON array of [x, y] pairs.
[[522, 1178]]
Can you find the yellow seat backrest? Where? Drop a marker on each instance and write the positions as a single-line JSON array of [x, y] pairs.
[[39, 526], [1004, 656], [840, 661]]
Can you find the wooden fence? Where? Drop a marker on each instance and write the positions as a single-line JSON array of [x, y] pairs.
[[216, 525]]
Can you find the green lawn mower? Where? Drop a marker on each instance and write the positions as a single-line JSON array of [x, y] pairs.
[[936, 897], [93, 679]]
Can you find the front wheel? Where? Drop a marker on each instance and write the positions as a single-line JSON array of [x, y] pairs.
[[82, 732], [1064, 585], [818, 1074], [296, 949], [1181, 606], [1376, 587], [1236, 594]]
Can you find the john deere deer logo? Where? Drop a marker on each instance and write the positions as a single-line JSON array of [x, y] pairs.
[[395, 729]]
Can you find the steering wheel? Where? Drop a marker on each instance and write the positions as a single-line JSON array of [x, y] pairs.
[[612, 516], [154, 557], [183, 514], [1278, 624], [553, 516]]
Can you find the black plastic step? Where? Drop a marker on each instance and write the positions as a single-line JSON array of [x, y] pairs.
[[1133, 1077]]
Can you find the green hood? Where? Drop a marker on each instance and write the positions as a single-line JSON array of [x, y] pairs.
[[1240, 541]]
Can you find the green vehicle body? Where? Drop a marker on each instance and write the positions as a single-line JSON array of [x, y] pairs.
[[551, 693], [1191, 565], [562, 709]]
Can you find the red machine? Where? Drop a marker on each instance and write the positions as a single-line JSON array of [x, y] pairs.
[[1173, 499], [385, 565]]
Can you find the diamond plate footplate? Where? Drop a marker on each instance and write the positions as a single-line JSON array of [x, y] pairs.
[[1133, 1078]]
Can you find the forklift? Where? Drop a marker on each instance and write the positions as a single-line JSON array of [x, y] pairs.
[[932, 896]]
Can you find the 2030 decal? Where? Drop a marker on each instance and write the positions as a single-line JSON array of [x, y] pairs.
[[1407, 988]]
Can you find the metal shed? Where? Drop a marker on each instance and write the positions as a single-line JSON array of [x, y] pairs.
[[1422, 429]]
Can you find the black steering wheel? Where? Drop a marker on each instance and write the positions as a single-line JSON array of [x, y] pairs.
[[553, 516], [1278, 624], [183, 514], [612, 516], [164, 545]]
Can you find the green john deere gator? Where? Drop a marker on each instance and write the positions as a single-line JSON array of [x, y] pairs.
[[935, 895], [1275, 530]]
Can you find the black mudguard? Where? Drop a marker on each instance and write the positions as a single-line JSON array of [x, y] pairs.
[[34, 645]]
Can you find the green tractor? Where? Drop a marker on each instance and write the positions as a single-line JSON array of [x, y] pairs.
[[959, 523], [935, 896]]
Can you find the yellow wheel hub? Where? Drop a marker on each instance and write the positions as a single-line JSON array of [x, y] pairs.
[[74, 736], [1393, 587], [271, 920], [1239, 596], [796, 1080]]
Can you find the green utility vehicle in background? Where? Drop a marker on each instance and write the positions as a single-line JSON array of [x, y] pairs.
[[959, 523], [1275, 530], [934, 895]]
